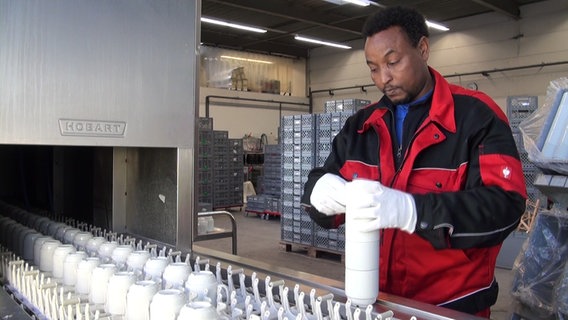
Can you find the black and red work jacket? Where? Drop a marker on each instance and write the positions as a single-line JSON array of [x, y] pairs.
[[461, 165]]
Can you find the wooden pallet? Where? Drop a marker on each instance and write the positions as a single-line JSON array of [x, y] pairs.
[[235, 207], [312, 251], [528, 218]]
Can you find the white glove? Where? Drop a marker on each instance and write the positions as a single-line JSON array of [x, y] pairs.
[[382, 206], [328, 194]]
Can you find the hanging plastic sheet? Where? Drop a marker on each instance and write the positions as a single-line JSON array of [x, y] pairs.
[[545, 131]]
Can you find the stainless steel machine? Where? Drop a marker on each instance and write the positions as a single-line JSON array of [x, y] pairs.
[[98, 105], [110, 88]]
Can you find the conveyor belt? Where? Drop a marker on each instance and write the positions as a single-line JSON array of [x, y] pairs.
[[236, 272]]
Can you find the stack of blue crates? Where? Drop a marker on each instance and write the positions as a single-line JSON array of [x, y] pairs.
[[345, 105], [306, 143], [271, 178], [227, 155], [256, 204], [235, 171], [267, 200], [205, 161], [297, 161], [518, 109], [328, 126]]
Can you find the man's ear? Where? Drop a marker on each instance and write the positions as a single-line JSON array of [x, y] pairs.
[[424, 48]]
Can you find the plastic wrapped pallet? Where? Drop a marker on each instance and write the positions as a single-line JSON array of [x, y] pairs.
[[540, 265], [561, 294], [545, 132]]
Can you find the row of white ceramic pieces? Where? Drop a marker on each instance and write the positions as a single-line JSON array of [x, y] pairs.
[[21, 238], [47, 226], [130, 299], [64, 260], [56, 256], [112, 292]]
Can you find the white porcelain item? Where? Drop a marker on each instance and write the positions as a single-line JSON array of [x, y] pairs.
[[38, 223], [138, 299], [166, 304], [84, 274], [19, 245], [46, 255], [99, 283], [4, 221], [12, 235], [154, 268], [70, 267], [43, 225], [59, 256], [118, 286], [52, 230], [198, 310], [37, 248], [120, 255], [28, 251], [105, 251], [80, 240], [136, 261], [93, 245], [69, 235], [175, 274], [202, 225], [361, 250], [203, 284], [60, 233]]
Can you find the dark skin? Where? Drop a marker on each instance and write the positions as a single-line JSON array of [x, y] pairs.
[[399, 69]]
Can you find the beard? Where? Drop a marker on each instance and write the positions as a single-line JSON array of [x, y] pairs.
[[398, 96]]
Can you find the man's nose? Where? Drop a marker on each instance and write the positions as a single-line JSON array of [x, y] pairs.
[[385, 75]]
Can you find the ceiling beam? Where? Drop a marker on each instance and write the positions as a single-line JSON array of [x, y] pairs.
[[506, 7], [264, 7], [243, 43]]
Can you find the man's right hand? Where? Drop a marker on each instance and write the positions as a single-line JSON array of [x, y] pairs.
[[328, 194]]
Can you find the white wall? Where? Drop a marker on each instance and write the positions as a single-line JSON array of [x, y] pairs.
[[475, 44], [241, 117]]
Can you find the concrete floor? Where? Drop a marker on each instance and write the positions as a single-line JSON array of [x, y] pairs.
[[259, 239]]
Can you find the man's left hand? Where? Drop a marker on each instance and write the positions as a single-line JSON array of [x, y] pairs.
[[384, 207]]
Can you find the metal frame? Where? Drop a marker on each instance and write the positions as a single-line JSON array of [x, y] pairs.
[[218, 233]]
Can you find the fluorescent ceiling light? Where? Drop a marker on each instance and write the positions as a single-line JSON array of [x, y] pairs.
[[436, 26], [325, 43], [245, 59], [362, 3], [232, 25]]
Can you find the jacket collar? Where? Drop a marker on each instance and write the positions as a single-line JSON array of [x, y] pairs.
[[441, 110]]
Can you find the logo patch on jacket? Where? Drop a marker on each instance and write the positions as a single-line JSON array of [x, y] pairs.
[[506, 172]]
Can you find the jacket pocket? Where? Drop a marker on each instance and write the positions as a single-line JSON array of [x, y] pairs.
[[436, 180]]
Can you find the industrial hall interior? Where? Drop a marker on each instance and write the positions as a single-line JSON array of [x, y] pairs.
[[284, 159]]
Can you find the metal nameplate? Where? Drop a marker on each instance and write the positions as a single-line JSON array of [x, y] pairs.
[[92, 128]]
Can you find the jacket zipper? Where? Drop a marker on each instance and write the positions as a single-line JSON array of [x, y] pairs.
[[399, 152]]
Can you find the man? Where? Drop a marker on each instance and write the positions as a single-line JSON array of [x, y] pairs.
[[446, 185]]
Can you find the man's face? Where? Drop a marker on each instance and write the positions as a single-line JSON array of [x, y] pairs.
[[398, 69]]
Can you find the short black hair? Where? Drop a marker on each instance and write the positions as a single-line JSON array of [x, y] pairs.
[[411, 21]]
